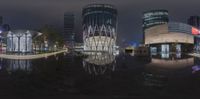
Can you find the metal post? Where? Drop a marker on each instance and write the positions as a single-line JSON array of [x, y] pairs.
[[18, 44], [26, 42], [12, 48]]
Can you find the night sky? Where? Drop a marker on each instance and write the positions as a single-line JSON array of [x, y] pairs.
[[32, 14]]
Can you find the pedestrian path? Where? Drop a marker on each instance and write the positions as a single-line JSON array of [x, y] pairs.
[[38, 56], [194, 54]]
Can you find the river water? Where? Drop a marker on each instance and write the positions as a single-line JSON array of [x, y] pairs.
[[101, 76]]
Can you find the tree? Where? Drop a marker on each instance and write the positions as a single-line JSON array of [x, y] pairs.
[[51, 35]]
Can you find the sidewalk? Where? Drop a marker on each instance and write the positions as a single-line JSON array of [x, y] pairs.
[[195, 54], [5, 56]]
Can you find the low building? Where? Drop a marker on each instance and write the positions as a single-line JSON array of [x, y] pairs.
[[19, 41], [137, 51], [170, 37]]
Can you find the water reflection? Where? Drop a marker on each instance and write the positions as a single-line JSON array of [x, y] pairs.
[[99, 63], [195, 69], [153, 79], [161, 66], [171, 61], [22, 65]]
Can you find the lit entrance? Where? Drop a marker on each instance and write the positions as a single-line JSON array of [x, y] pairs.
[[165, 48]]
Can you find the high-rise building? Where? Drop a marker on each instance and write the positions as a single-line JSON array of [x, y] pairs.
[[99, 27], [3, 27], [153, 18], [69, 35], [1, 20], [194, 21]]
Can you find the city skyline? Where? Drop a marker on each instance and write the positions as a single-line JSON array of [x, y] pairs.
[[33, 14]]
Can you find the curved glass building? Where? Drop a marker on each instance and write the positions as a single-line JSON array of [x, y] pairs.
[[99, 27]]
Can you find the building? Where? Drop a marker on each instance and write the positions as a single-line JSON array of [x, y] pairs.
[[194, 21], [1, 20], [19, 41], [137, 51], [171, 37], [99, 27], [153, 18], [69, 35]]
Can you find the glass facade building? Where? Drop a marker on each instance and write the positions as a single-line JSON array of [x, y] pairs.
[[69, 35], [99, 27], [155, 17]]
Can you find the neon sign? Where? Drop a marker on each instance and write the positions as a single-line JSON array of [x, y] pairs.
[[195, 31]]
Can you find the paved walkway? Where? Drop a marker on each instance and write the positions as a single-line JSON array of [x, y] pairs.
[[5, 56], [194, 54]]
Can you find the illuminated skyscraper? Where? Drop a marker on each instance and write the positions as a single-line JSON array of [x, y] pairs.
[[99, 27]]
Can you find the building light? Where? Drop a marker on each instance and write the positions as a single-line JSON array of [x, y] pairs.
[[195, 31]]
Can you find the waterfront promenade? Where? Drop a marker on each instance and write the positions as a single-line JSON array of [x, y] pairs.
[[194, 54], [37, 56]]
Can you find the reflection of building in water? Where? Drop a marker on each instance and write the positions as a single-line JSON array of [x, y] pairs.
[[2, 64], [157, 72], [168, 55], [154, 80], [161, 67], [99, 63], [172, 63], [15, 65]]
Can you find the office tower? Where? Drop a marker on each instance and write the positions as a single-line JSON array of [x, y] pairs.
[[99, 27], [69, 35], [153, 18]]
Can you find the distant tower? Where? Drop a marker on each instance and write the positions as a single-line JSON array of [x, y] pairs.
[[1, 20], [99, 27], [153, 18], [194, 21], [69, 35]]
